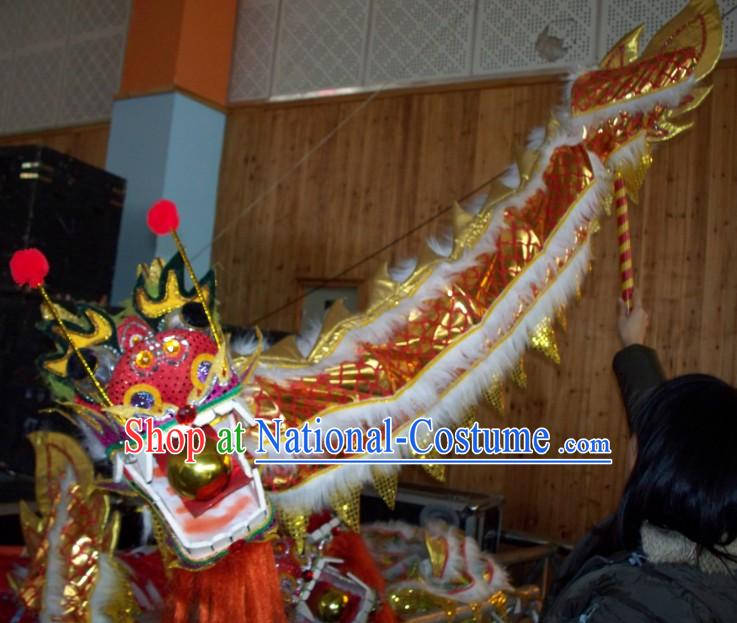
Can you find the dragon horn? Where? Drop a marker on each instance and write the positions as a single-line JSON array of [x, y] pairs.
[[29, 267]]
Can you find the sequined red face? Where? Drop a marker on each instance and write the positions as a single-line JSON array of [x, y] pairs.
[[159, 369]]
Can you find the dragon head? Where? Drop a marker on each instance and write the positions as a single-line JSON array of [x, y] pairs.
[[159, 361]]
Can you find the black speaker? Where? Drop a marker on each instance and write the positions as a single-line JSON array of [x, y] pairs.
[[23, 394], [68, 209]]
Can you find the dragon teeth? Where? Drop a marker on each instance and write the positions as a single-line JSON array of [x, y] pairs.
[[204, 417], [243, 412], [146, 465], [225, 408], [259, 489], [117, 467], [245, 465]]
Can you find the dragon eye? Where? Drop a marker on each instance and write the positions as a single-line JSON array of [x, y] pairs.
[[194, 314], [143, 396], [144, 359], [203, 369], [142, 400], [75, 370], [172, 348], [200, 370]]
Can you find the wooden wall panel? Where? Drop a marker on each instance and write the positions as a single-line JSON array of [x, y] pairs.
[[404, 156], [87, 143]]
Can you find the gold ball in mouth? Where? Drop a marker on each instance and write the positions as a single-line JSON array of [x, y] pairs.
[[203, 479], [330, 605]]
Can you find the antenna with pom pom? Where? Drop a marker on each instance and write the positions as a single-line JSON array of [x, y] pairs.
[[162, 219], [29, 267]]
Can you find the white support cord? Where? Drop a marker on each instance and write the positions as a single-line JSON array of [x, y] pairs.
[[450, 26]]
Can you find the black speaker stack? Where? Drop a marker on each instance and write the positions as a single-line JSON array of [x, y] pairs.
[[71, 211]]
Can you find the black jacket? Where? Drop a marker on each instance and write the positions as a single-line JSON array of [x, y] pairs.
[[638, 372], [627, 587]]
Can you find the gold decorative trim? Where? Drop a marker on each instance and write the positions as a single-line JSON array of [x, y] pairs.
[[698, 26], [627, 49]]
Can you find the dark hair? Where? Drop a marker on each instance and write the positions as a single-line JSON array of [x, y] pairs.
[[685, 476]]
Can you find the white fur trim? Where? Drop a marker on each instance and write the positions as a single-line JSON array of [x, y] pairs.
[[535, 138], [441, 392], [53, 591], [442, 245], [474, 204], [91, 442], [382, 327], [147, 527], [405, 530], [110, 582], [306, 340], [402, 270], [245, 345], [510, 178], [631, 153]]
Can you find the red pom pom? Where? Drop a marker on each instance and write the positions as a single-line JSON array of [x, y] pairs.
[[163, 217], [29, 267]]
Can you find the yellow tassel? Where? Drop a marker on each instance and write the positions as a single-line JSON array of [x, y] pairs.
[[347, 508], [606, 204], [386, 485], [498, 601], [470, 418], [494, 395], [543, 340], [435, 470], [448, 606], [296, 526], [519, 376], [562, 320]]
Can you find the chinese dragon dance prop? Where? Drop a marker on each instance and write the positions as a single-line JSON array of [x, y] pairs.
[[438, 334]]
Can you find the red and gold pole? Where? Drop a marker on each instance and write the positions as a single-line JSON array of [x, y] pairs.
[[625, 247]]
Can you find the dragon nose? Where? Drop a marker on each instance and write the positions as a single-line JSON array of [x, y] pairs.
[[186, 415]]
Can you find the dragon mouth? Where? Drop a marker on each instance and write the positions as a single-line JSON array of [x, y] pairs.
[[218, 409], [203, 530]]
